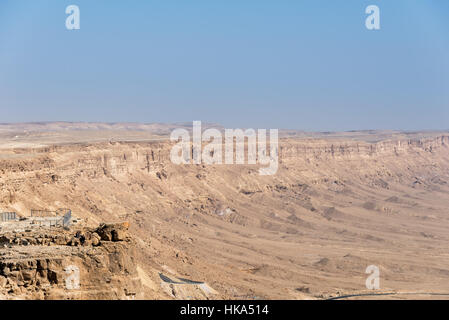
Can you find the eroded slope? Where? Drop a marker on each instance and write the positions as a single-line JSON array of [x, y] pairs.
[[334, 208]]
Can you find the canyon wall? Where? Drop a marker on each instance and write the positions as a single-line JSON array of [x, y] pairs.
[[333, 208]]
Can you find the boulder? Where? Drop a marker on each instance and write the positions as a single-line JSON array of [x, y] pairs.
[[3, 281], [113, 231], [95, 239], [28, 275]]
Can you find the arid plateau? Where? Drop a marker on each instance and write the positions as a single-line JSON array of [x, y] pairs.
[[338, 203]]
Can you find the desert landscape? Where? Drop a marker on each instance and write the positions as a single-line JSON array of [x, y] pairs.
[[145, 228]]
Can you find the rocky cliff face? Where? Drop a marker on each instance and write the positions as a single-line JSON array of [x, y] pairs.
[[53, 263], [340, 149], [334, 207]]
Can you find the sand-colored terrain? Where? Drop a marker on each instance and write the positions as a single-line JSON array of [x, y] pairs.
[[338, 203]]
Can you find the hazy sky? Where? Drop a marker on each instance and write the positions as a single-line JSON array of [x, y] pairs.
[[309, 65]]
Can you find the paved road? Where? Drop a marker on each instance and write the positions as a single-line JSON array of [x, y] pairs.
[[389, 294]]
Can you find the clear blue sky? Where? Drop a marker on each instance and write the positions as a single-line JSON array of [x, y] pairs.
[[309, 65]]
